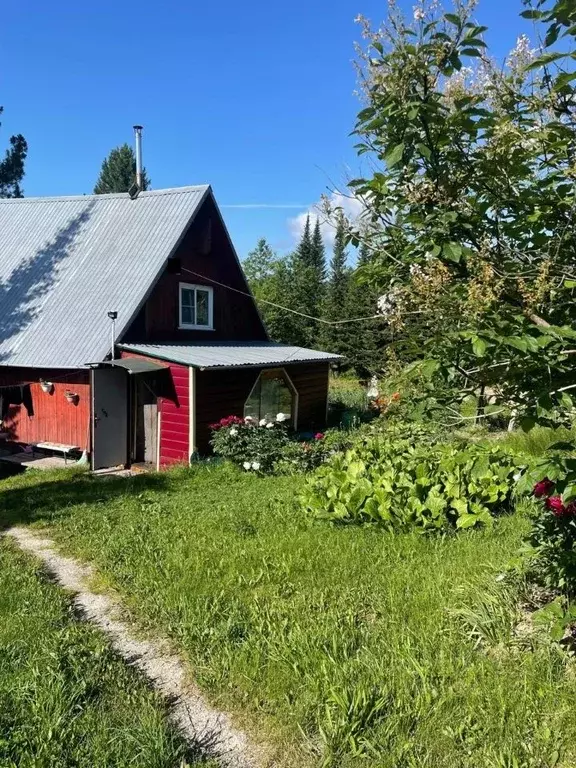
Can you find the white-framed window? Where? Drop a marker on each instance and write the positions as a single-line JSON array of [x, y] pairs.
[[273, 394], [196, 307]]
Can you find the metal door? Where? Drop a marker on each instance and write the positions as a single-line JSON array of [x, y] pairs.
[[109, 417]]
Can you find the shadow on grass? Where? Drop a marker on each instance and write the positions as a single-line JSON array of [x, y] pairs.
[[31, 498]]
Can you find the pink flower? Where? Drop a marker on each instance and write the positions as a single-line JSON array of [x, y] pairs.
[[556, 506], [319, 436], [543, 488]]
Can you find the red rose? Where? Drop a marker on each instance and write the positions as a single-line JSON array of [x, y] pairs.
[[543, 488], [556, 506], [571, 509], [319, 436]]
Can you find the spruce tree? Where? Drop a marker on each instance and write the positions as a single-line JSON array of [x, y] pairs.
[[368, 342], [308, 268], [12, 166], [337, 338], [118, 172]]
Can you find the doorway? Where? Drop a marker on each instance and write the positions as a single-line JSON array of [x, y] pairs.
[[145, 421], [109, 417]]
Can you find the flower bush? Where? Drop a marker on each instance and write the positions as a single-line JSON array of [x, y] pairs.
[[397, 483], [551, 552], [254, 446]]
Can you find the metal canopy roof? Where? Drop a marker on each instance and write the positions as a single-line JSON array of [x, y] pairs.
[[132, 365], [231, 354], [65, 262]]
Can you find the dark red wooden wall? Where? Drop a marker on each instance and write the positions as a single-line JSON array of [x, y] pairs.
[[55, 420], [174, 414], [235, 315], [223, 393]]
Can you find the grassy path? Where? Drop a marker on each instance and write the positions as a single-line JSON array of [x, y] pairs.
[[339, 645], [65, 698]]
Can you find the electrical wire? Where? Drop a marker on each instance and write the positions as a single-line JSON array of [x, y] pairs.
[[279, 306]]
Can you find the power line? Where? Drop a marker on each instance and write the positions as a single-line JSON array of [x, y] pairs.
[[279, 306]]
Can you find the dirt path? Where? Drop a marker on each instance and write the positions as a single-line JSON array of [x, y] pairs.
[[195, 719]]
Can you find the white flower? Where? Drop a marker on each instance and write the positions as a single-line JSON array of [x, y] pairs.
[[418, 13], [270, 425], [249, 419], [247, 465], [255, 465], [282, 417], [262, 422], [233, 432]]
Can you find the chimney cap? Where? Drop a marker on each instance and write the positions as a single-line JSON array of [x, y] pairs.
[[138, 127]]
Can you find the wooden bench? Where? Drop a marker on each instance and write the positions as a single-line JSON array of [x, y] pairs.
[[58, 448]]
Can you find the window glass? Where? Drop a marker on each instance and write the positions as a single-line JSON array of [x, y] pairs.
[[188, 306], [202, 310], [271, 395]]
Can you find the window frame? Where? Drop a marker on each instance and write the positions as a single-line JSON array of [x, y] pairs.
[[291, 387], [194, 326]]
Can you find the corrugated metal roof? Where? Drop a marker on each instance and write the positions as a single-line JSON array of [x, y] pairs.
[[66, 261], [231, 354]]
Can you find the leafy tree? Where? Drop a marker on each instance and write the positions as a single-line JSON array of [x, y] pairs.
[[471, 210], [12, 166], [118, 172]]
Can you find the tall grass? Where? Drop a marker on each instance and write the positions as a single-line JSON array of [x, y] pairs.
[[536, 442], [65, 699], [344, 647]]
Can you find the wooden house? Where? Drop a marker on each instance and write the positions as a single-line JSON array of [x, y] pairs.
[[127, 328]]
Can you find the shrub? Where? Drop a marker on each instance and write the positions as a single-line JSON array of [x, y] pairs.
[[248, 444], [306, 455], [550, 555], [398, 484]]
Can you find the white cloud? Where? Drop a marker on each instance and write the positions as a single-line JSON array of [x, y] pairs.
[[351, 206]]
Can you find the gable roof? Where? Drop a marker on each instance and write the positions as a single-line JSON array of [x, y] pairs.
[[231, 354], [65, 262]]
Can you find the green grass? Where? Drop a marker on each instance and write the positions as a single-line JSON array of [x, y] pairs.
[[65, 698], [342, 646], [537, 441]]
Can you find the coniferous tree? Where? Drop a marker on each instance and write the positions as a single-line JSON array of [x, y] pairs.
[[12, 166], [118, 172], [337, 338], [308, 268], [269, 279], [368, 342]]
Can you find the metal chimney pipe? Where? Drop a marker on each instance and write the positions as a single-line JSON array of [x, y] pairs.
[[138, 138]]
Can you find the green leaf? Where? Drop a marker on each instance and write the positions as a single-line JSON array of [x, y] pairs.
[[452, 251], [479, 347], [394, 156], [453, 18], [532, 14], [424, 150]]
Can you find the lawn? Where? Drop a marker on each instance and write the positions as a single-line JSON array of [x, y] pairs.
[[339, 645], [65, 698]]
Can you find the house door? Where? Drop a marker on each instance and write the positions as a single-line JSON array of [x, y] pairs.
[[109, 417], [145, 421]]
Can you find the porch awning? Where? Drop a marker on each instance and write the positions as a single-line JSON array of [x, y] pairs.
[[132, 365]]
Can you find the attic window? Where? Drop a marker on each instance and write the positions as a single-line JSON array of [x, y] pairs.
[[196, 307], [273, 394]]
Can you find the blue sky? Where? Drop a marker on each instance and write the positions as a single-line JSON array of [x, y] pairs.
[[255, 98]]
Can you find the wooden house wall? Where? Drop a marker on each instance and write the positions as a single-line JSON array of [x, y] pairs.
[[205, 249], [174, 414], [55, 420], [223, 393]]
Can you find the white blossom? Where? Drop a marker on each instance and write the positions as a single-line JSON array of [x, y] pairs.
[[255, 465], [233, 432], [418, 13], [262, 423], [249, 419], [522, 54], [373, 390], [247, 465], [282, 417], [270, 425]]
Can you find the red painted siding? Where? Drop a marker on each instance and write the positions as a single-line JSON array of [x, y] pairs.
[[235, 315], [174, 414], [55, 420]]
